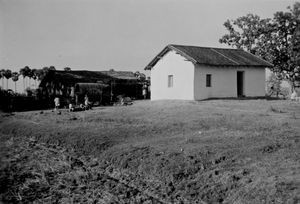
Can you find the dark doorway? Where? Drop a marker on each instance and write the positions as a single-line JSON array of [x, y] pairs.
[[240, 83]]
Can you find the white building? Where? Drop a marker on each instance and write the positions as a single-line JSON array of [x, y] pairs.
[[196, 73]]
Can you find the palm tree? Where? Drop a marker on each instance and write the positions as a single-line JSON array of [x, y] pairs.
[[34, 76], [15, 78], [1, 77], [7, 75], [29, 75], [22, 72], [25, 72], [2, 71]]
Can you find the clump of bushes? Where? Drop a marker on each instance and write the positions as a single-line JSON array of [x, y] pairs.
[[11, 101]]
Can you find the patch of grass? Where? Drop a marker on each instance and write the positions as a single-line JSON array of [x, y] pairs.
[[275, 110], [217, 151]]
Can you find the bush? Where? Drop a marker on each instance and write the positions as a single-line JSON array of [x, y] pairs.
[[10, 101]]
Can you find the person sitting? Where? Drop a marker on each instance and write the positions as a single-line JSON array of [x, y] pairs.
[[294, 96], [87, 103], [81, 106], [71, 107], [56, 103]]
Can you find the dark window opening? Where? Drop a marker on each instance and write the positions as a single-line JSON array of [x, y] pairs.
[[170, 81], [208, 80]]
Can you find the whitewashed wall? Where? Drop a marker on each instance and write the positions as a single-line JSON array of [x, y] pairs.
[[183, 78], [224, 82]]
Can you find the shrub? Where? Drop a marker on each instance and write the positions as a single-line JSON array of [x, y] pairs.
[[10, 101]]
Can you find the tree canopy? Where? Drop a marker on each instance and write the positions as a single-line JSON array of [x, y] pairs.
[[276, 40]]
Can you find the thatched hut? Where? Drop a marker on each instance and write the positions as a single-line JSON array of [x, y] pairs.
[[109, 84], [96, 92]]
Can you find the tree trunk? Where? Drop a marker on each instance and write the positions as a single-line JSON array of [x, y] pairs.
[[292, 86], [6, 84], [15, 87]]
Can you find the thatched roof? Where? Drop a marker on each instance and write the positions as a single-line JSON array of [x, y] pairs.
[[213, 56], [120, 74], [89, 88], [74, 76]]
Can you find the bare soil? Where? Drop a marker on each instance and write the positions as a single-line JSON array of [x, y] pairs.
[[217, 151]]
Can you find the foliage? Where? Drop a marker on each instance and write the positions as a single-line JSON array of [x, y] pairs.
[[15, 76], [275, 40], [7, 74], [12, 101], [29, 91], [247, 32], [274, 88], [140, 76], [67, 69], [34, 74], [25, 72], [52, 68], [2, 71], [273, 85], [40, 74]]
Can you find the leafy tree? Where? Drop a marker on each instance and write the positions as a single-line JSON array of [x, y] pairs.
[[67, 69], [15, 78], [275, 40], [296, 51], [52, 68], [247, 32], [273, 85], [39, 73], [140, 76], [7, 75]]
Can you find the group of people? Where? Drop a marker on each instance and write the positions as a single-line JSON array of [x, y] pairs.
[[86, 106]]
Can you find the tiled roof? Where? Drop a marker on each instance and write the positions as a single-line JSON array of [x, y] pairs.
[[213, 56], [82, 76]]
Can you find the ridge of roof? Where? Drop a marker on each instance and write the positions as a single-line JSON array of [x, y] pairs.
[[204, 47], [213, 56]]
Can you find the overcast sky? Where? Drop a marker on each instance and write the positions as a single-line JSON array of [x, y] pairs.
[[113, 34]]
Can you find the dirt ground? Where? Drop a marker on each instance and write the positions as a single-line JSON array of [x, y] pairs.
[[215, 151]]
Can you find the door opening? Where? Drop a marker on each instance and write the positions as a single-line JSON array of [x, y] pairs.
[[240, 83]]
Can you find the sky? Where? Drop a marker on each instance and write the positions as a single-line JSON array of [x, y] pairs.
[[113, 34]]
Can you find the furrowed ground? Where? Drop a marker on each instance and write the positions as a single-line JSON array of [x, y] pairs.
[[217, 151]]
